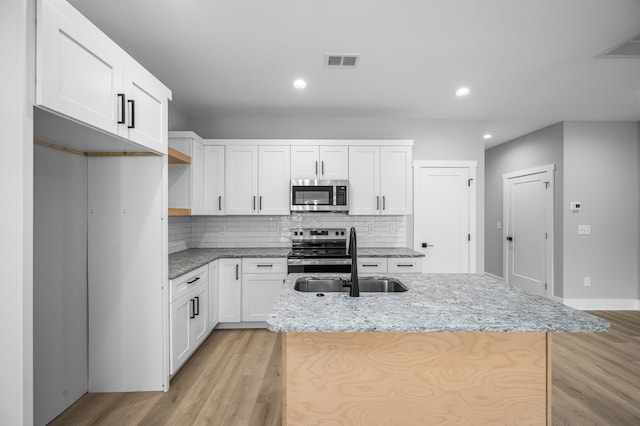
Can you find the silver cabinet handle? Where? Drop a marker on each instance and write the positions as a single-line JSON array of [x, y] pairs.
[[403, 265], [237, 268], [368, 265], [323, 168], [316, 167], [265, 266], [384, 203], [220, 202], [254, 202], [261, 202], [378, 202]]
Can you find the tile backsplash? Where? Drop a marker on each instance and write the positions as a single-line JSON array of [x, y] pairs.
[[275, 231]]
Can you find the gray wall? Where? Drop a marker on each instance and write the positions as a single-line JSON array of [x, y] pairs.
[[535, 149], [434, 140], [601, 171], [178, 120], [59, 282]]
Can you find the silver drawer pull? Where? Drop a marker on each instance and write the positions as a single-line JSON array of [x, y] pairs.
[[369, 266], [265, 266], [193, 280], [405, 264]]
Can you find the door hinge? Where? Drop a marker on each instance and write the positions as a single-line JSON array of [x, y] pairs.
[[469, 182]]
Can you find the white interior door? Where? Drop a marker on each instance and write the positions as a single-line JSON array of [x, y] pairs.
[[527, 231], [443, 205]]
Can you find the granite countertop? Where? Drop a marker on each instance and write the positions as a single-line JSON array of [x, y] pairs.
[[187, 260], [433, 303], [388, 252]]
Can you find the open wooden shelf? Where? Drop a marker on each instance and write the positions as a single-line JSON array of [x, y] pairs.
[[179, 212], [177, 157]]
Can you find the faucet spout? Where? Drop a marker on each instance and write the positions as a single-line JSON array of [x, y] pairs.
[[354, 290]]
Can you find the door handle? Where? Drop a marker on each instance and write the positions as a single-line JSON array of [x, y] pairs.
[[197, 310], [123, 107], [193, 280], [322, 168], [260, 202], [509, 238], [132, 111], [220, 202], [384, 203], [192, 314], [237, 276], [378, 202], [316, 167], [425, 245], [254, 202]]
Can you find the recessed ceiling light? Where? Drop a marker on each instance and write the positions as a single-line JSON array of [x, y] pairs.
[[463, 91], [487, 136], [300, 84]]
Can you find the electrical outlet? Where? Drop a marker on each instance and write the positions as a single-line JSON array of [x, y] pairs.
[[499, 225], [584, 229], [587, 281]]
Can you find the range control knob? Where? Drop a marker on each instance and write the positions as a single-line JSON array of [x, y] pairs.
[[337, 233], [295, 233], [342, 233], [301, 233]]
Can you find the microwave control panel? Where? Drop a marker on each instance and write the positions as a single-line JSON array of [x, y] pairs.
[[341, 195]]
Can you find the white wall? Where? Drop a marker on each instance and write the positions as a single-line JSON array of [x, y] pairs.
[[601, 171], [59, 282], [177, 118], [17, 36], [434, 140]]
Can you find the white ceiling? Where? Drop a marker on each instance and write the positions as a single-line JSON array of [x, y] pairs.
[[528, 64]]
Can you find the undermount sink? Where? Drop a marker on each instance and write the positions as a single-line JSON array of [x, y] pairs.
[[367, 285]]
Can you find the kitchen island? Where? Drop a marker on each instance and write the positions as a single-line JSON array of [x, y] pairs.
[[453, 349]]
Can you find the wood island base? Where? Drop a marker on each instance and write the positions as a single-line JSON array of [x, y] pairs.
[[416, 378]]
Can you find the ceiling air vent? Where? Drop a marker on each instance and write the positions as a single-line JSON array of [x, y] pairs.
[[341, 60], [628, 49]]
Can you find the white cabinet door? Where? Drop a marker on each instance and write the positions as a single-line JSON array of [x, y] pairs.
[[334, 162], [364, 180], [395, 180], [79, 69], [372, 265], [259, 291], [197, 173], [304, 162], [146, 108], [214, 280], [274, 180], [181, 344], [200, 314], [230, 290], [213, 180], [241, 180]]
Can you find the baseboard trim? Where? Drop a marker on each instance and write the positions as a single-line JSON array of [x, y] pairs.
[[234, 325], [494, 276], [603, 304]]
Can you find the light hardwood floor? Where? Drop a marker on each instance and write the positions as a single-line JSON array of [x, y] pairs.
[[234, 379]]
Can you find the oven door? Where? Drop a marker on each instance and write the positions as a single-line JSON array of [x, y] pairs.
[[318, 265]]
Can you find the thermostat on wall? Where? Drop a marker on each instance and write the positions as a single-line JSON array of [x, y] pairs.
[[576, 206]]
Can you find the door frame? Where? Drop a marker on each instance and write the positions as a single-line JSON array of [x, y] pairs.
[[549, 169], [473, 208]]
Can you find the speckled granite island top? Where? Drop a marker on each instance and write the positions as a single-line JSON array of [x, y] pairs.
[[388, 252], [187, 260], [433, 303]]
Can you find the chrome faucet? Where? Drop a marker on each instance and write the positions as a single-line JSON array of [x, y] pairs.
[[354, 290]]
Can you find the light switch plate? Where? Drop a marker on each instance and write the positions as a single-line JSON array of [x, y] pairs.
[[584, 229]]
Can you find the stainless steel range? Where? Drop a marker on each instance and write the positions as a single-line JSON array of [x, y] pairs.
[[319, 250]]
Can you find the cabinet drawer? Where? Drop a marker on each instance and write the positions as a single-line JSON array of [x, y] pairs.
[[404, 264], [372, 265], [184, 283], [264, 265]]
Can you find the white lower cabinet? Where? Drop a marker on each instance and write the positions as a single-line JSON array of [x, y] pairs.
[[404, 264], [262, 281], [372, 265], [230, 290], [188, 315], [214, 286]]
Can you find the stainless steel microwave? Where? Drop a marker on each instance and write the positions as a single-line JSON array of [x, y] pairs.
[[311, 195]]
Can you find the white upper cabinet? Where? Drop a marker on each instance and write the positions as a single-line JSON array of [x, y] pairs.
[[380, 180], [319, 162], [213, 198], [257, 180], [84, 75]]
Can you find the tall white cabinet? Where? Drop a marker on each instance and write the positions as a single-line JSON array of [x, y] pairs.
[[380, 180], [257, 179]]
